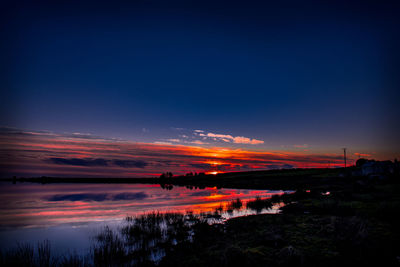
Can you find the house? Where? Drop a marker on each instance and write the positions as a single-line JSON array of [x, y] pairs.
[[378, 169]]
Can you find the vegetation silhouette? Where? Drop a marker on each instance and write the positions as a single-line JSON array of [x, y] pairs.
[[166, 175], [259, 204], [235, 204]]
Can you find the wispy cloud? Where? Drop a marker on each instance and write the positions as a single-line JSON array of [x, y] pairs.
[[162, 143], [129, 163], [88, 162], [177, 128], [29, 153], [174, 140], [78, 197], [229, 138], [246, 140], [197, 142], [79, 162], [363, 155], [301, 146], [179, 141]]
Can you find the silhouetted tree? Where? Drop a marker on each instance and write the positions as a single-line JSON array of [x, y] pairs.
[[166, 175], [361, 162], [396, 170]]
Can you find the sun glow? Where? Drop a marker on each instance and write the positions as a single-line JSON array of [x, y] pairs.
[[213, 162], [111, 158]]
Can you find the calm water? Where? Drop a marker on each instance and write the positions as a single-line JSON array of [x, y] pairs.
[[69, 215]]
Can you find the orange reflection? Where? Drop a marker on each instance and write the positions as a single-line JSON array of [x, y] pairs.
[[66, 203]]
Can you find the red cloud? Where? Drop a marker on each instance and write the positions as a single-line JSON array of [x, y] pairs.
[[36, 154]]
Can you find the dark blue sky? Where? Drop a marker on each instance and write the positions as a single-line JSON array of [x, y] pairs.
[[324, 75]]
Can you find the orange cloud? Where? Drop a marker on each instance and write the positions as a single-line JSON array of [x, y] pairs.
[[245, 140], [229, 138], [35, 154]]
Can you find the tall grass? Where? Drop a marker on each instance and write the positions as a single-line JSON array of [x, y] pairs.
[[259, 204], [27, 255], [142, 241], [109, 249], [235, 204], [145, 239], [44, 253]]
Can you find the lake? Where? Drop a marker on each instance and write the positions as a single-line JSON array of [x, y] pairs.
[[69, 215]]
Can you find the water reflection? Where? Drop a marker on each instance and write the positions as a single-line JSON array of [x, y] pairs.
[[33, 212], [35, 205]]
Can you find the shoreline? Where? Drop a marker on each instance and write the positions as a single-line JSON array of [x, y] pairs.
[[287, 179]]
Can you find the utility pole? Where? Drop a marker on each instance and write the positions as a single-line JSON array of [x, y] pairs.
[[344, 156]]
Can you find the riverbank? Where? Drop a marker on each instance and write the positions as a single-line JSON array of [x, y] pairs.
[[355, 225], [287, 179]]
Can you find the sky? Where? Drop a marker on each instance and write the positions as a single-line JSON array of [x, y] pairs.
[[300, 78]]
